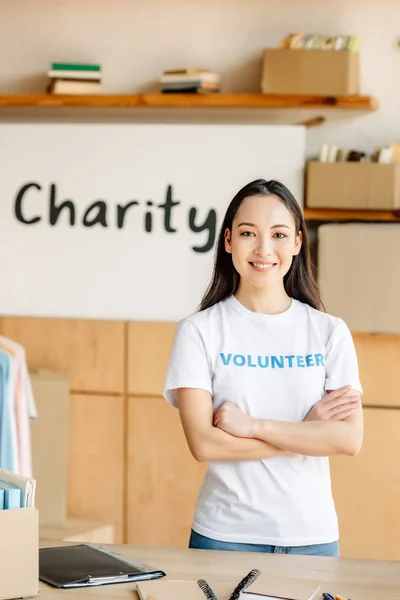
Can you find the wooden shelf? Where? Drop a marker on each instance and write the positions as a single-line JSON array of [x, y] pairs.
[[364, 103], [320, 214]]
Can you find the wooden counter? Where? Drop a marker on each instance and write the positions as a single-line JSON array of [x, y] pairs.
[[355, 579]]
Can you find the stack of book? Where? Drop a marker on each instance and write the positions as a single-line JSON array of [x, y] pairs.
[[189, 81], [306, 41], [74, 78], [385, 155]]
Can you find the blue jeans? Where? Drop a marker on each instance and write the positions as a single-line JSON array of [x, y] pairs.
[[201, 542]]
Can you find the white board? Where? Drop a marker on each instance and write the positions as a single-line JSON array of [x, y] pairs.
[[109, 271]]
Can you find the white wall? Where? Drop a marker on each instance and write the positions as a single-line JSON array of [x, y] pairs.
[[135, 40], [154, 264]]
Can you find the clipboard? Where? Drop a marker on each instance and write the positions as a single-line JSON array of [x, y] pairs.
[[87, 565]]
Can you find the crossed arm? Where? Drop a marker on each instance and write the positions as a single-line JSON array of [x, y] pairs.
[[334, 426]]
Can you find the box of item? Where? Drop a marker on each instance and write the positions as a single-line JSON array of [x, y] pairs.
[[353, 185], [359, 276], [315, 72], [19, 553], [49, 433], [79, 530]]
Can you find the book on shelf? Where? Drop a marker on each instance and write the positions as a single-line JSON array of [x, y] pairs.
[[64, 86], [74, 78], [384, 155], [190, 81], [306, 41]]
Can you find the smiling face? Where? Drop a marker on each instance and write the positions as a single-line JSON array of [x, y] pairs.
[[263, 241]]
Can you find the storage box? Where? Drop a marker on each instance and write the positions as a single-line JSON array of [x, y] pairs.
[[316, 72], [50, 445], [366, 186], [359, 274], [19, 553], [79, 530]]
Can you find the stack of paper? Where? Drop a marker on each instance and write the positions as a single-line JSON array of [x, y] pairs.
[[16, 491]]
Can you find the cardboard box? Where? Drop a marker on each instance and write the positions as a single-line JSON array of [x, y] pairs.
[[19, 553], [315, 72], [49, 434], [346, 185], [80, 530], [359, 275]]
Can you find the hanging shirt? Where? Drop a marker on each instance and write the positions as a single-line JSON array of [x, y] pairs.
[[271, 367], [24, 406], [8, 431]]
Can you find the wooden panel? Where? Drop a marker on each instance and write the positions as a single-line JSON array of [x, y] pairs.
[[149, 347], [367, 490], [96, 460], [163, 477], [211, 100], [90, 352], [379, 361], [330, 214]]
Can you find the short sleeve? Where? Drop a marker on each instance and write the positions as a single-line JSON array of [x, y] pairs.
[[341, 362], [188, 364]]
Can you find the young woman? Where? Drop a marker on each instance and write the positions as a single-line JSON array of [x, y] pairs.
[[267, 386]]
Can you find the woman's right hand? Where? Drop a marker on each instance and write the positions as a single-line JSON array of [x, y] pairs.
[[336, 405]]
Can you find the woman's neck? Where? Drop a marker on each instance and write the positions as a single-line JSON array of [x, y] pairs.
[[269, 301]]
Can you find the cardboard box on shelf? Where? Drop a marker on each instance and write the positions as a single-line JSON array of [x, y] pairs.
[[19, 553], [50, 445], [79, 530], [353, 185], [359, 276], [314, 72]]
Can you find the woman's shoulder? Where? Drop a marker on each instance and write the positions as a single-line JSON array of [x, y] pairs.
[[202, 319], [320, 318]]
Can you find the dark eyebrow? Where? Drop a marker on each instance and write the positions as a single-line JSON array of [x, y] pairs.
[[273, 226], [281, 225]]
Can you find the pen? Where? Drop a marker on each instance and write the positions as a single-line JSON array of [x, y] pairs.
[[327, 597]]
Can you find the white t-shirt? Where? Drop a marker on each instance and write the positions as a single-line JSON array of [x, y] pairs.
[[271, 367]]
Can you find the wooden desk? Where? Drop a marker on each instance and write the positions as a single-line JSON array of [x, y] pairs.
[[355, 579]]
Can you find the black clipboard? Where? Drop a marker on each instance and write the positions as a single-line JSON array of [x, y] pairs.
[[86, 565]]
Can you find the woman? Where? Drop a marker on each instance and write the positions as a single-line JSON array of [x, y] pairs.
[[267, 386]]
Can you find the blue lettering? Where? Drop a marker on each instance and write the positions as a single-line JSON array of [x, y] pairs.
[[309, 360], [225, 359], [277, 361], [290, 360], [264, 364], [239, 360]]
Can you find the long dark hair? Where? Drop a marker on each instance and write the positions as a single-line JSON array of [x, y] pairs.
[[299, 281]]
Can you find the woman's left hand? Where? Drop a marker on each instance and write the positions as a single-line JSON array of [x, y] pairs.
[[233, 420]]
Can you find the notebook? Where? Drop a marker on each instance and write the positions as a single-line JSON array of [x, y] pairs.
[[85, 565], [169, 589], [12, 495], [25, 484], [273, 587]]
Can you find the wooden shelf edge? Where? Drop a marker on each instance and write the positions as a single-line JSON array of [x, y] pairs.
[[312, 214], [365, 103]]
